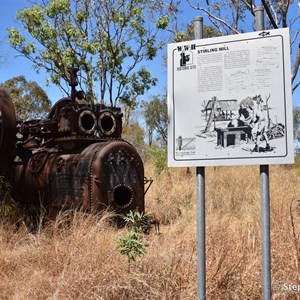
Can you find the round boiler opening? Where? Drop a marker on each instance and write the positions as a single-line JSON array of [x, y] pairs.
[[87, 122], [107, 123], [122, 195]]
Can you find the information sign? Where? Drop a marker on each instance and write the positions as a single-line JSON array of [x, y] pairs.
[[229, 100]]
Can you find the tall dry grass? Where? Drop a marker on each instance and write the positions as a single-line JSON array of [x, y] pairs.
[[75, 257]]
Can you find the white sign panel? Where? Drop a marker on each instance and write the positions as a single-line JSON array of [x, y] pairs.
[[229, 100]]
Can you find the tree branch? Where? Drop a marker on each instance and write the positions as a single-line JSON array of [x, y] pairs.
[[295, 87], [274, 14], [250, 6], [295, 37], [269, 14], [210, 15], [296, 65]]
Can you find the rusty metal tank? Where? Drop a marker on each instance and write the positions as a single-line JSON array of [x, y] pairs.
[[7, 132], [106, 174], [74, 158]]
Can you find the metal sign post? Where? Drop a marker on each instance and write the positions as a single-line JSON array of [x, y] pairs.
[[264, 200], [265, 232], [201, 255]]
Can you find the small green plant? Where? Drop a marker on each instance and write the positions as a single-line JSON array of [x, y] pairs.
[[136, 221], [131, 244]]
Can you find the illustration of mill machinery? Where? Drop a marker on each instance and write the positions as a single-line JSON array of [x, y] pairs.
[[223, 117]]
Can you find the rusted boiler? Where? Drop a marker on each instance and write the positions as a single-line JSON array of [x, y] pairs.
[[73, 158]]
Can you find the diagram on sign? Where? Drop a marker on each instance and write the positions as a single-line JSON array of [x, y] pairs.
[[246, 124], [230, 100]]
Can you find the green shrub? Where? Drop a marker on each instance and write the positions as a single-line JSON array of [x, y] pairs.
[[159, 157], [131, 243]]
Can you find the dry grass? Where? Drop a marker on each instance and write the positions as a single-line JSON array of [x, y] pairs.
[[75, 257]]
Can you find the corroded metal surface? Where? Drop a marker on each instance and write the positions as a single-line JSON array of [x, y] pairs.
[[7, 131], [102, 175], [74, 158]]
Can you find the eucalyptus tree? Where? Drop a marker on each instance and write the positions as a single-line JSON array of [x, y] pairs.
[[30, 100], [156, 118], [107, 40]]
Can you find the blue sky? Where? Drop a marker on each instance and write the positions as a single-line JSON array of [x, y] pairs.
[[16, 65]]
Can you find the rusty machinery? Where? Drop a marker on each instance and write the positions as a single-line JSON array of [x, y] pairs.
[[75, 157]]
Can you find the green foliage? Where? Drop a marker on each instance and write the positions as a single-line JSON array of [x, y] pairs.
[[163, 22], [156, 117], [131, 244], [136, 221], [140, 82], [160, 159], [107, 40], [134, 134], [29, 99], [7, 210]]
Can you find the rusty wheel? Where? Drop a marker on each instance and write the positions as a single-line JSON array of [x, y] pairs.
[[7, 131]]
